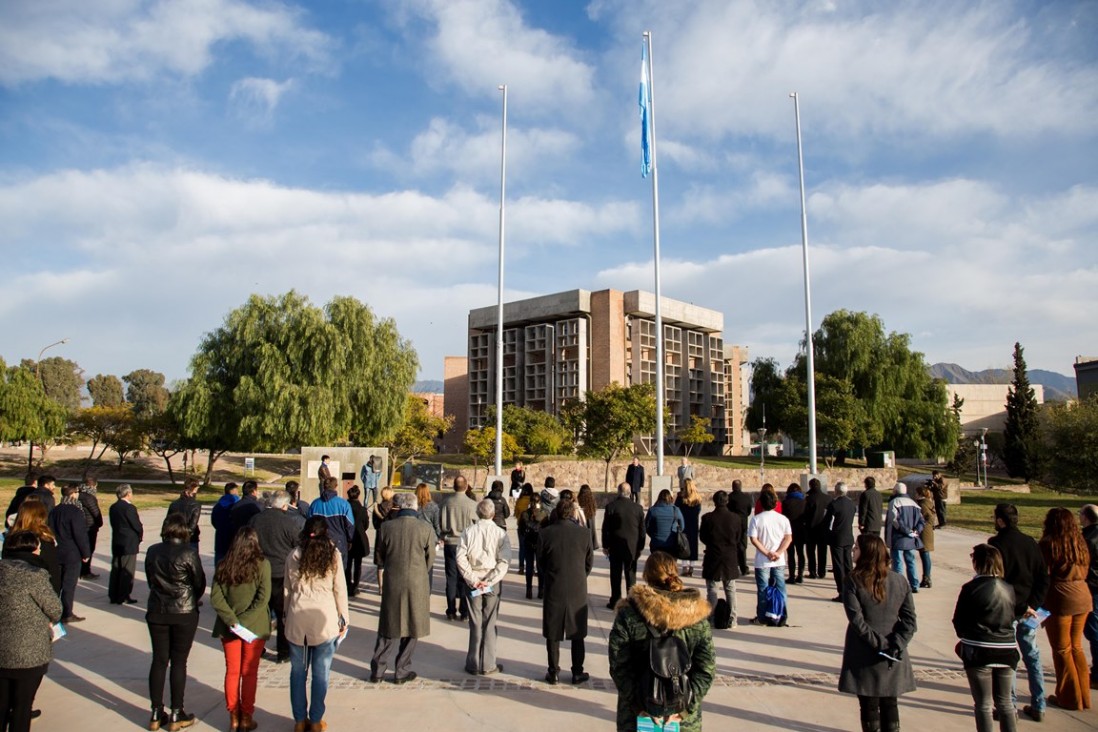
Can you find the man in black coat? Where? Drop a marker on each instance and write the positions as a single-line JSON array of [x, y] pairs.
[[45, 491], [67, 523], [722, 532], [93, 519], [870, 505], [188, 507], [126, 535], [634, 476], [839, 518], [1024, 568], [248, 507], [622, 541], [278, 529], [565, 557], [815, 508], [744, 504]]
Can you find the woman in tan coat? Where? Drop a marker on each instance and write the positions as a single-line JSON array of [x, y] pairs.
[[316, 620], [1068, 599], [925, 499]]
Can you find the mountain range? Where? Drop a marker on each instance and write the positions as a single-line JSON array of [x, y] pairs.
[[1058, 387]]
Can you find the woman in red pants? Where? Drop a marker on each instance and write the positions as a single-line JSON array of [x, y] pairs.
[[1068, 600], [241, 588]]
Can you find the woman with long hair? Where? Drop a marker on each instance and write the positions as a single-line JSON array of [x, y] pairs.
[[360, 541], [925, 499], [530, 521], [881, 622], [32, 517], [984, 621], [239, 595], [430, 512], [586, 500], [768, 488], [689, 504], [1068, 600], [176, 584], [661, 523], [316, 620], [668, 607]]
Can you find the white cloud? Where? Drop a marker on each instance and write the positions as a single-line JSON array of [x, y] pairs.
[[480, 44], [111, 41], [709, 204], [255, 99]]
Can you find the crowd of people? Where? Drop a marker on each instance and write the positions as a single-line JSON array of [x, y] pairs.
[[286, 568]]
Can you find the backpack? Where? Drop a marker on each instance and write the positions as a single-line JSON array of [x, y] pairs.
[[722, 615], [666, 680]]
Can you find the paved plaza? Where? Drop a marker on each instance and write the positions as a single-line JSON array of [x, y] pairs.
[[768, 678]]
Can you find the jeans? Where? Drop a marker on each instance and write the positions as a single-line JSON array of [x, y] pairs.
[[319, 658], [991, 687], [763, 577], [729, 594], [456, 592], [241, 673], [171, 643], [1090, 632], [927, 564], [1031, 659], [902, 557]]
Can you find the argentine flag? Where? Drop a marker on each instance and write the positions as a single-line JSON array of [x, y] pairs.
[[645, 100]]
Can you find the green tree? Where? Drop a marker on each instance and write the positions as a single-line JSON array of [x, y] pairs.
[[418, 433], [1070, 431], [536, 432], [61, 378], [145, 390], [481, 444], [766, 384], [94, 423], [612, 419], [281, 373], [26, 412], [162, 436], [106, 390], [696, 434], [1021, 435]]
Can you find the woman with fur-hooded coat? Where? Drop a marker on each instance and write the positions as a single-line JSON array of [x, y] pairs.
[[666, 605]]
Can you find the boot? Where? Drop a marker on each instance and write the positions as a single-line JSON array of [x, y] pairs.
[[301, 727], [179, 719], [529, 592], [158, 718], [234, 721], [247, 724]]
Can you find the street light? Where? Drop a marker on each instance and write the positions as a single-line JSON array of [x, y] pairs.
[[38, 362], [762, 453]]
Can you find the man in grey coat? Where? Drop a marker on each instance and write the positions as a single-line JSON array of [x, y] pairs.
[[565, 557], [456, 513], [405, 550], [278, 529], [483, 557]]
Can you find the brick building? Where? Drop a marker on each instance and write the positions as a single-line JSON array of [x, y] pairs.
[[557, 347]]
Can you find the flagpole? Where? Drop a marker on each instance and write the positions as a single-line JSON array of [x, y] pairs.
[[499, 318], [809, 349], [660, 386]]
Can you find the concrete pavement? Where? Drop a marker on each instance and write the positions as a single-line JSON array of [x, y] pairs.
[[768, 678]]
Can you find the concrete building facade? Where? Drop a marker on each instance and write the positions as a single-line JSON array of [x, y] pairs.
[[1086, 376], [985, 405], [557, 347]]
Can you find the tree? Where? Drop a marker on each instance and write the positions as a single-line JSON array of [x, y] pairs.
[[481, 444], [1021, 435], [416, 436], [163, 438], [146, 392], [1070, 433], [61, 378], [536, 432], [281, 373], [106, 390], [766, 382], [613, 417], [26, 413], [696, 434]]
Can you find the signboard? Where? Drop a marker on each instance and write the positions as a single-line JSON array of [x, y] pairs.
[[249, 465]]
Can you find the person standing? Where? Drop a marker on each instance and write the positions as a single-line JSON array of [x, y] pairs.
[[126, 535], [881, 623], [189, 508], [840, 526], [661, 605], [176, 583], [939, 489], [685, 473], [248, 507], [323, 472], [503, 511], [429, 511], [724, 561], [903, 529], [32, 517], [278, 529], [926, 507], [67, 524], [984, 621], [93, 519], [405, 549], [565, 556], [662, 523], [1088, 518], [337, 513], [222, 521], [297, 503], [689, 504], [530, 522], [518, 477], [456, 514], [1068, 600], [370, 475], [29, 606], [622, 541], [743, 504], [45, 491], [1024, 568], [870, 505], [317, 617], [360, 544], [483, 556], [240, 595], [793, 509], [815, 509], [771, 534], [634, 476]]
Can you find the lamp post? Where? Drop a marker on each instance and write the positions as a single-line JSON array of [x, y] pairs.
[[762, 454], [983, 453]]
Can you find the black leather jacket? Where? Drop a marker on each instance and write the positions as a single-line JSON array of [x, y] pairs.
[[985, 611], [175, 577]]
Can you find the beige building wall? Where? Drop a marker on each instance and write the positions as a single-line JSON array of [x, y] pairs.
[[736, 359], [455, 400], [985, 405], [608, 349]]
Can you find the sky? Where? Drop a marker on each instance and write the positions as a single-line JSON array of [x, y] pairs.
[[162, 160]]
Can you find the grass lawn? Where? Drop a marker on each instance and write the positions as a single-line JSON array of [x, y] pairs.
[[978, 506]]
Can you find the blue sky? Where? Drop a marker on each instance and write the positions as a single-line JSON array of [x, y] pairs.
[[160, 161]]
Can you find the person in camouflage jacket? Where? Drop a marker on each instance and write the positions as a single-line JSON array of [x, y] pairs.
[[664, 603]]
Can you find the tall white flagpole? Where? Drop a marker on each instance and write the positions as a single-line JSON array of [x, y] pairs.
[[809, 349], [499, 317], [660, 386]]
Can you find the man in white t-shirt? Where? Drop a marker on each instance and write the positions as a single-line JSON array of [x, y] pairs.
[[771, 534]]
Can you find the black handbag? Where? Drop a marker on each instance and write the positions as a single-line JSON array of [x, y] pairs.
[[682, 545]]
